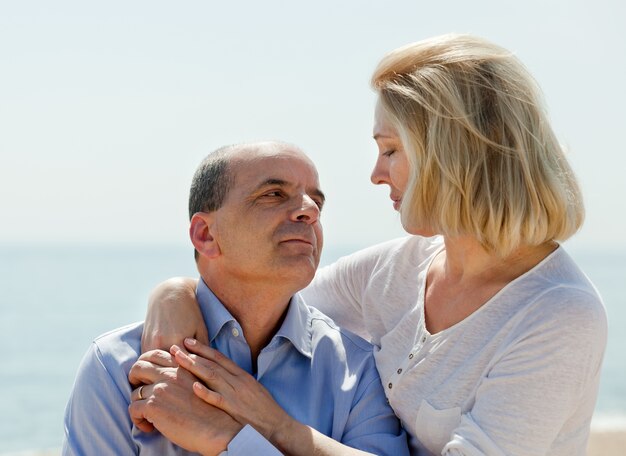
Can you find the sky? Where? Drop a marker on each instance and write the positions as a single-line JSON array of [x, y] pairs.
[[106, 108]]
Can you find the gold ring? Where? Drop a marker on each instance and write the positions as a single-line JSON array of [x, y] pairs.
[[139, 395]]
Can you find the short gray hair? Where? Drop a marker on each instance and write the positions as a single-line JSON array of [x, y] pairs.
[[211, 182]]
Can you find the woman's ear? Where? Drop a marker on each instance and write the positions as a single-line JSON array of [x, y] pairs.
[[201, 234]]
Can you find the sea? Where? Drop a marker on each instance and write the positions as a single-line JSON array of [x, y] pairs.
[[55, 299]]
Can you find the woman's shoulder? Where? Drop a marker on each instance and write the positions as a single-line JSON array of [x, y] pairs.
[[559, 275], [559, 293]]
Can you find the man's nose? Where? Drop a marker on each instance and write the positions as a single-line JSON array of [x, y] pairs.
[[308, 211]]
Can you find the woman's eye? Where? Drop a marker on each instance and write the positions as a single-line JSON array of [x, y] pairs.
[[389, 153]]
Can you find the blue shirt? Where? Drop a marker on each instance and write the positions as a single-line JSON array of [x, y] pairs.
[[321, 375]]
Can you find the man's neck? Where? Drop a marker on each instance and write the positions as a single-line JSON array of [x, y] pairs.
[[259, 308]]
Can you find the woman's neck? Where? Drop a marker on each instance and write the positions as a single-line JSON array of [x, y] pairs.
[[464, 276]]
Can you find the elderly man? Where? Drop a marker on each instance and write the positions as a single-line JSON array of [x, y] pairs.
[[255, 227]]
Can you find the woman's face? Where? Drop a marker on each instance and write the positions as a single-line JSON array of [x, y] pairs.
[[392, 166]]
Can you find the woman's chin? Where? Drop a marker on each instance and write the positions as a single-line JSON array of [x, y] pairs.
[[417, 230]]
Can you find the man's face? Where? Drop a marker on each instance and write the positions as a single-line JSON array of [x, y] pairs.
[[268, 227]]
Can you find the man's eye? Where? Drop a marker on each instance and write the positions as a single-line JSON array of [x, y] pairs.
[[273, 194]]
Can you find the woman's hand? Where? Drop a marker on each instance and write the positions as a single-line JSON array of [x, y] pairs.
[[231, 389], [173, 314], [228, 387]]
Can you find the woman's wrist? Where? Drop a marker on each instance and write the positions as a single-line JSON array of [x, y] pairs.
[[287, 433]]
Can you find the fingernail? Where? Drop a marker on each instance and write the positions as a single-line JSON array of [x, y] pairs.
[[190, 341], [174, 349]]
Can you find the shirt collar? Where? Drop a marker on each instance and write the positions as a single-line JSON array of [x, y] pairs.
[[213, 311], [296, 327]]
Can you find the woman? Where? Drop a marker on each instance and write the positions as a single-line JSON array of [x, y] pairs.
[[490, 339]]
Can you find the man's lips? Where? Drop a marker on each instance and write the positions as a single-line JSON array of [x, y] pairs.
[[298, 240]]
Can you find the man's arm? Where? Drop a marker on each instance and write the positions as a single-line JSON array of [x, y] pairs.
[[96, 416]]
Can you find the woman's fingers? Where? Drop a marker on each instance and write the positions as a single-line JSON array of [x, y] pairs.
[[211, 354], [229, 388], [209, 396], [212, 374]]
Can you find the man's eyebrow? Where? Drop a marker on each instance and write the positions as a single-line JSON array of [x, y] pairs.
[[283, 183], [272, 181]]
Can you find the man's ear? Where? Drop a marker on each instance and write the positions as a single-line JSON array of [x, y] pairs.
[[202, 236]]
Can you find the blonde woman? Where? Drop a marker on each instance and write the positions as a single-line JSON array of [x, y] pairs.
[[489, 337]]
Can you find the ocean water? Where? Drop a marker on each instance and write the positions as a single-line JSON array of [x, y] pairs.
[[55, 300]]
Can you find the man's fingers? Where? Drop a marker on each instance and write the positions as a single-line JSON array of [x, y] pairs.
[[144, 371], [149, 367], [136, 412], [141, 394], [158, 358]]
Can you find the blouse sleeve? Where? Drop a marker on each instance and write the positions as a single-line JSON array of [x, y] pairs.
[[337, 290]]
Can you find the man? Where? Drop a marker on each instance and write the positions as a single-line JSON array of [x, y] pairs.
[[255, 227]]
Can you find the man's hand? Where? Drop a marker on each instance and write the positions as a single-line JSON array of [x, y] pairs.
[[169, 404]]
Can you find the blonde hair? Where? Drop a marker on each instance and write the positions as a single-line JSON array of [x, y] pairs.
[[483, 158]]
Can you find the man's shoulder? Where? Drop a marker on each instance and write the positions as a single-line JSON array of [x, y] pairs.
[[324, 329], [120, 346]]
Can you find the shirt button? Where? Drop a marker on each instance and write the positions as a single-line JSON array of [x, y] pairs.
[[411, 356], [235, 332], [399, 371], [423, 339], [390, 385]]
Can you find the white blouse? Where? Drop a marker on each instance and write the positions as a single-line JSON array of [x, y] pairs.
[[519, 376]]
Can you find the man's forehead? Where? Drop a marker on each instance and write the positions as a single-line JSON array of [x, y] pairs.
[[265, 163]]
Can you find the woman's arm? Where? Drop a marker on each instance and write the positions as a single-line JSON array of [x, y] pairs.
[[336, 290], [231, 389], [173, 311], [173, 314]]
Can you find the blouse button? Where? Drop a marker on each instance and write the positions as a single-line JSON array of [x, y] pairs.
[[423, 339], [390, 385], [411, 356], [399, 371]]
